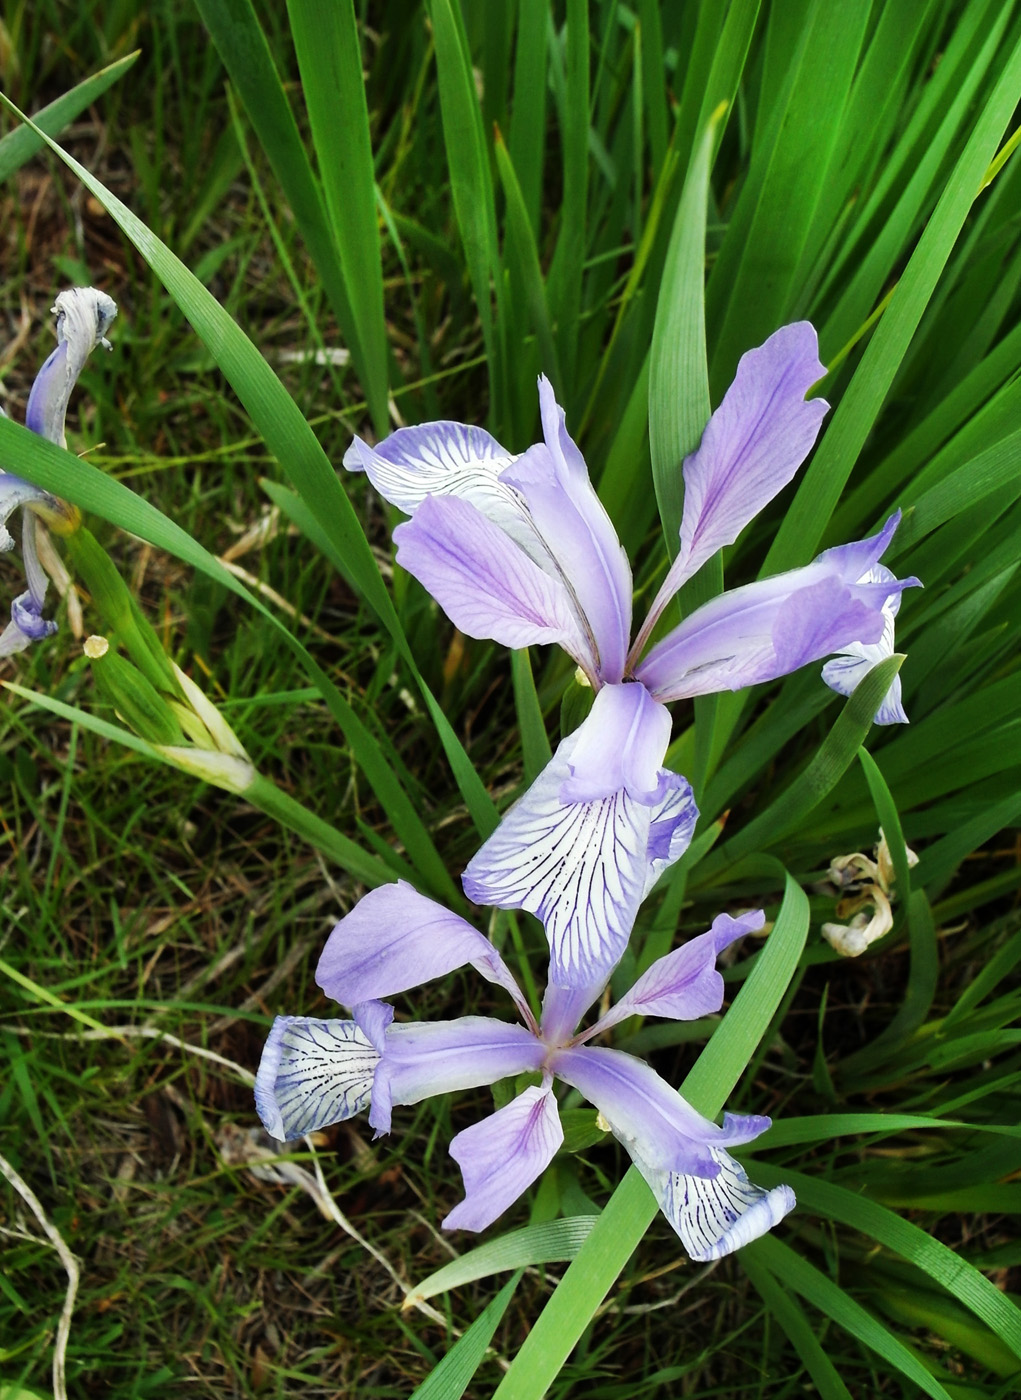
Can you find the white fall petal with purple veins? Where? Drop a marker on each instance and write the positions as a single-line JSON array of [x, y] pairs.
[[584, 845], [716, 1215], [83, 317], [519, 549], [312, 1073], [316, 1072]]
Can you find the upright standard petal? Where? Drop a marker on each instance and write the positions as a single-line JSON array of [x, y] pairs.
[[485, 583], [84, 315], [394, 939], [684, 984], [772, 627], [501, 1156], [751, 448], [423, 1058], [579, 535], [312, 1073], [855, 661], [716, 1215]]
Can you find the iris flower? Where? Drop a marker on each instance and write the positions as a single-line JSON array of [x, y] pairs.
[[316, 1072], [83, 316], [519, 549]]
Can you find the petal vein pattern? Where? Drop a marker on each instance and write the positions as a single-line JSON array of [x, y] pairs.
[[580, 867], [312, 1073], [714, 1216], [446, 459]]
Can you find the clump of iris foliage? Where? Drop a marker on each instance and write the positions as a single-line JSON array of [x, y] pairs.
[[271, 719]]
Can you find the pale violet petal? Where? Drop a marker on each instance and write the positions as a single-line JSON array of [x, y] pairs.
[[501, 1156], [374, 1018], [423, 1058], [26, 616], [684, 984], [13, 639], [582, 846], [751, 448], [620, 746], [394, 939], [580, 867], [769, 628], [84, 315], [853, 562], [646, 1114], [563, 1008], [573, 523], [312, 1073], [484, 582], [715, 1216], [754, 634]]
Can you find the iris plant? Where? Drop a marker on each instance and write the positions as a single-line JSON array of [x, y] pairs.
[[519, 549], [83, 317], [315, 1072]]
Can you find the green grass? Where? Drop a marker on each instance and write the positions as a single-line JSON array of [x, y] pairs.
[[842, 181]]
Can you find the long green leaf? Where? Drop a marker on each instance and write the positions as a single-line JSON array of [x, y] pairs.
[[828, 1296], [471, 184], [805, 521], [752, 285], [451, 1378], [20, 145], [794, 1322], [527, 135], [678, 375], [549, 1242], [329, 56], [565, 277], [245, 52], [961, 1279]]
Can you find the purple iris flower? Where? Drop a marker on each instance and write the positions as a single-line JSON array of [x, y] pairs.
[[519, 549], [83, 316], [316, 1072]]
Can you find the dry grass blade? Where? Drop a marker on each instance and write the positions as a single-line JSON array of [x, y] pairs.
[[70, 1264]]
